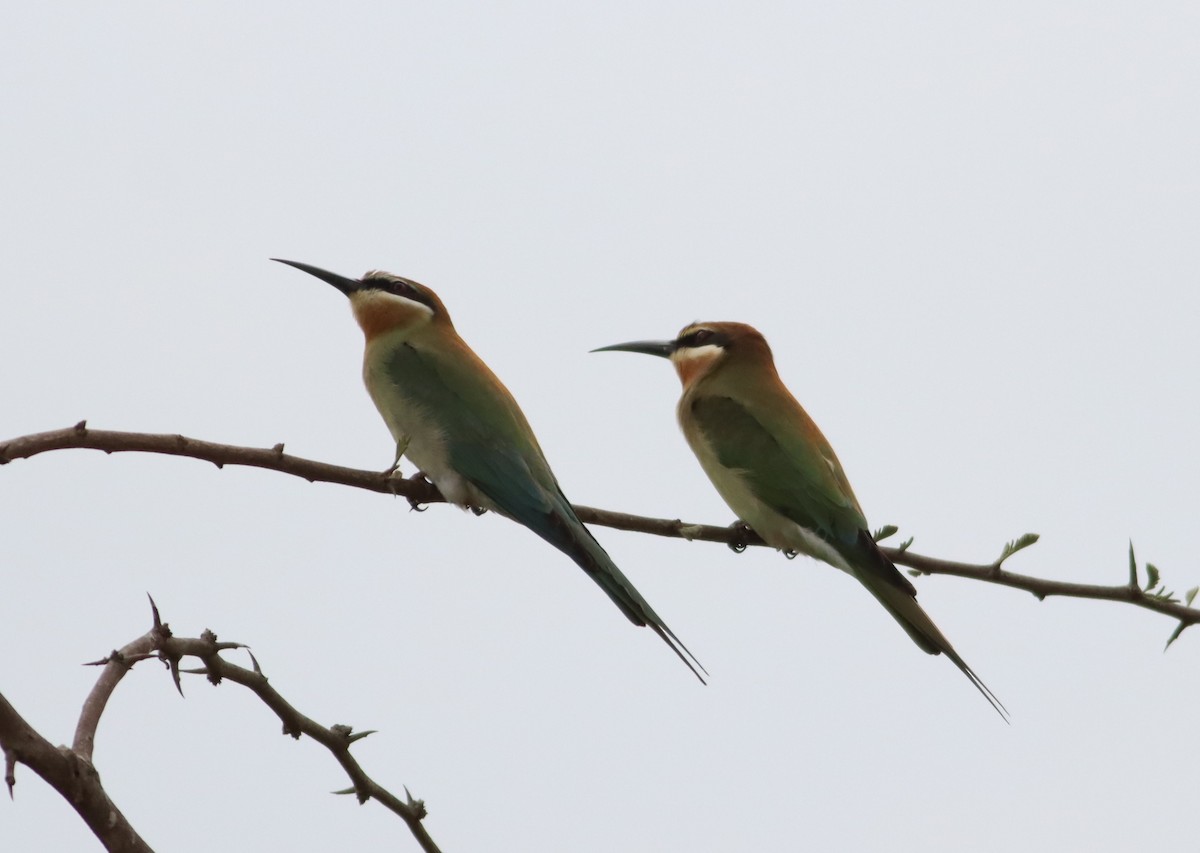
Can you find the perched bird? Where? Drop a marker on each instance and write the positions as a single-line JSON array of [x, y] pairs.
[[775, 469], [458, 424]]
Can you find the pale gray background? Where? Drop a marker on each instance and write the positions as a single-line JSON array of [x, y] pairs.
[[969, 231]]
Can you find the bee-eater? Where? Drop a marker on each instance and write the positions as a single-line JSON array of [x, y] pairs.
[[454, 420], [775, 469]]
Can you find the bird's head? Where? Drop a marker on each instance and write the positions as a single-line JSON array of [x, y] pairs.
[[703, 349], [383, 302]]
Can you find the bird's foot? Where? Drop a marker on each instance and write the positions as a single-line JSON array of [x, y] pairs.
[[418, 478], [478, 510], [741, 536]]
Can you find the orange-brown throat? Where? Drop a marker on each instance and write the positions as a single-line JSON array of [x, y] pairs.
[[691, 364], [378, 313]]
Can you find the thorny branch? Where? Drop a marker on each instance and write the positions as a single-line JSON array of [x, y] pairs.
[[69, 770], [420, 491]]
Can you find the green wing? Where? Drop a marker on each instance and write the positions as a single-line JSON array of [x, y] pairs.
[[793, 474], [488, 442], [490, 446], [790, 475]]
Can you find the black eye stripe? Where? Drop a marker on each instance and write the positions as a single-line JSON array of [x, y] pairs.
[[399, 287], [699, 338]]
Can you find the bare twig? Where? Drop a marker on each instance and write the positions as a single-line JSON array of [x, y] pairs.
[[420, 492]]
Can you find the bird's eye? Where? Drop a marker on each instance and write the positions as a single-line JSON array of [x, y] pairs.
[[400, 288], [696, 338]]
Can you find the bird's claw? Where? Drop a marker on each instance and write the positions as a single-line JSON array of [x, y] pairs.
[[477, 510], [415, 504], [741, 536]]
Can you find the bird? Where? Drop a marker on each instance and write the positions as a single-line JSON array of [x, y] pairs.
[[452, 417], [777, 472]]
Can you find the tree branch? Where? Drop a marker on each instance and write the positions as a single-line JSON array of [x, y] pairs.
[[70, 771], [419, 491]]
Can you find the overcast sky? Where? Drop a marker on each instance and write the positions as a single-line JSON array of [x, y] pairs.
[[969, 232]]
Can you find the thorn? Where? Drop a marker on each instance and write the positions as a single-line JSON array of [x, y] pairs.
[[81, 427], [254, 660], [360, 735], [1183, 625], [278, 449], [106, 660], [154, 609], [10, 771], [417, 805], [174, 665], [344, 791], [1133, 580]]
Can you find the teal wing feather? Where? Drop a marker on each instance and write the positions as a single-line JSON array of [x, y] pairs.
[[488, 443], [491, 445]]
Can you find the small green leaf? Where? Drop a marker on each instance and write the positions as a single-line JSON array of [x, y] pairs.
[[1164, 594], [1152, 577], [904, 545], [1016, 545], [1190, 595], [914, 573], [884, 532]]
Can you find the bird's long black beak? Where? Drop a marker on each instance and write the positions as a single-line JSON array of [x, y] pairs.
[[345, 285], [660, 348]]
